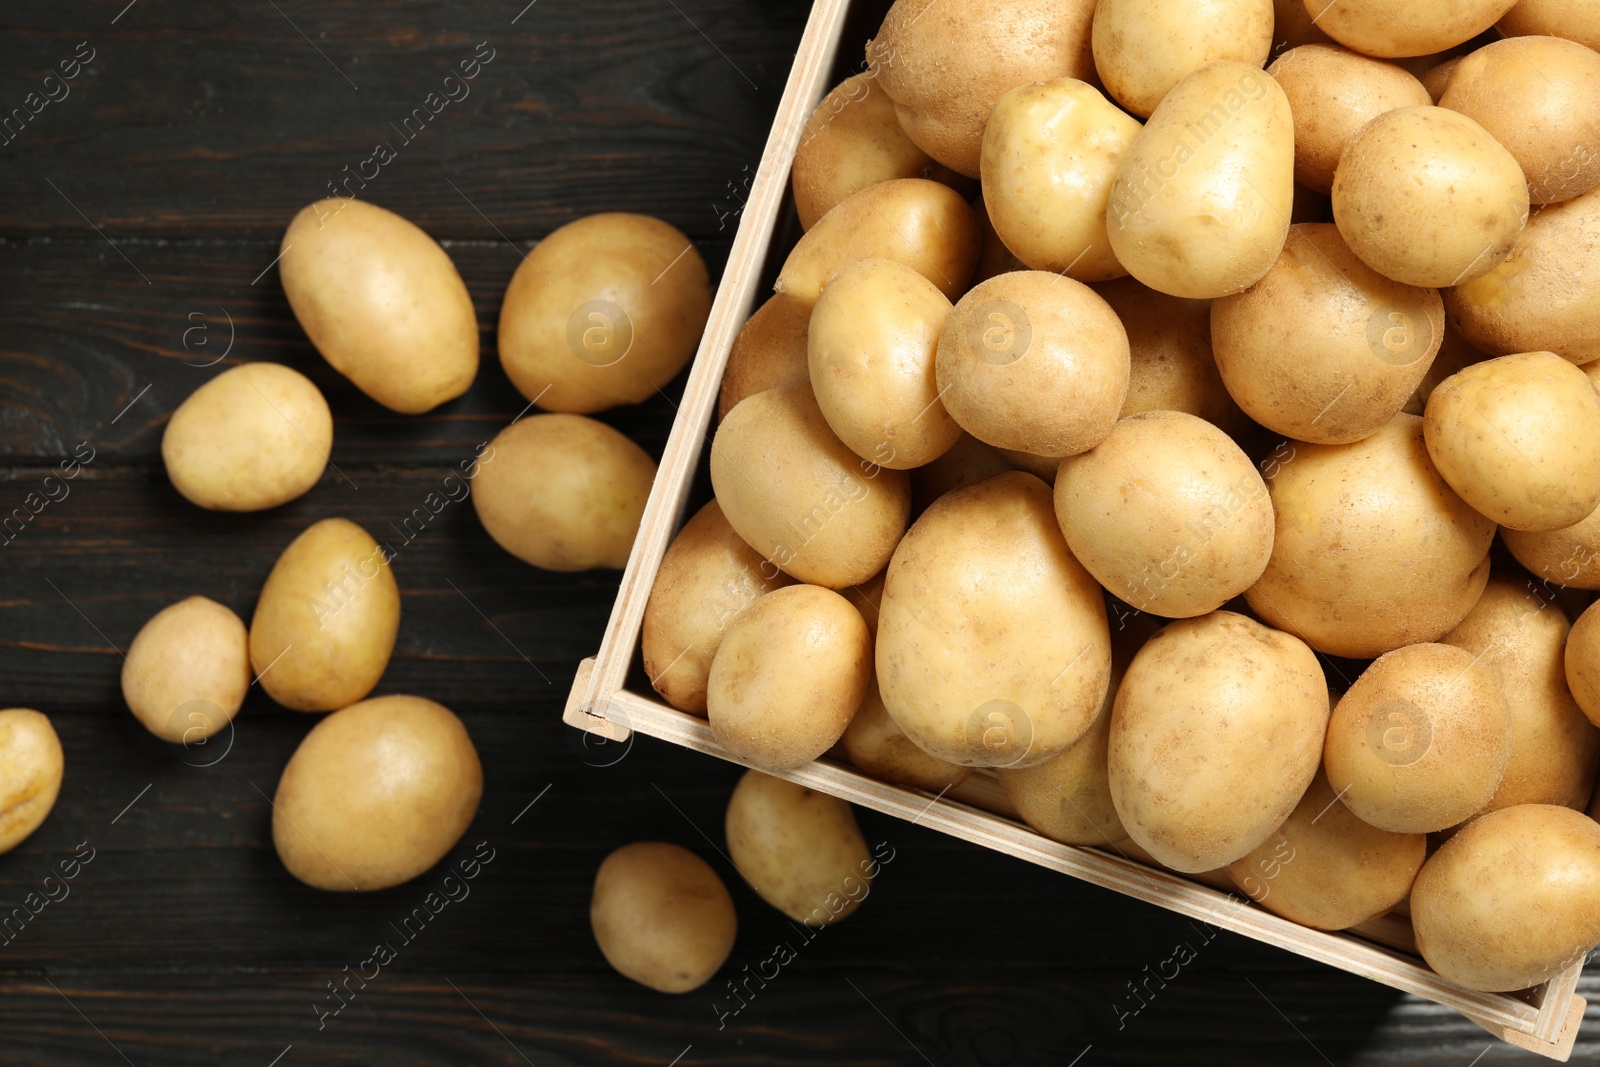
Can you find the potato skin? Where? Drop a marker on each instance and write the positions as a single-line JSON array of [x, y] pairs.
[[800, 850], [1575, 20], [1392, 29], [187, 670], [877, 746], [967, 462], [768, 351], [662, 916], [31, 766], [1142, 48], [1569, 556], [1582, 661], [1067, 798], [852, 140]]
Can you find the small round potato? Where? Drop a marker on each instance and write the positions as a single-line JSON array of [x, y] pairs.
[[1576, 20], [251, 438], [1067, 798], [188, 670], [769, 351], [876, 745], [661, 916], [1582, 661], [1142, 48], [31, 766], [376, 794], [1392, 29], [967, 462], [852, 140], [1569, 557]]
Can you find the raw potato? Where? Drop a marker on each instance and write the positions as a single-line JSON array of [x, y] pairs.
[[1519, 438], [1324, 349], [993, 648], [1576, 20], [1352, 523], [880, 748], [789, 675], [253, 437], [188, 670], [604, 311], [1437, 79], [967, 462], [382, 302], [661, 916], [868, 599], [1142, 48], [1512, 900], [1393, 29], [1043, 468], [852, 140], [31, 765], [1182, 217], [993, 255], [1067, 798], [1455, 355], [326, 620], [1569, 557], [563, 492], [769, 351], [799, 496], [1582, 660], [800, 850], [376, 794], [1050, 153], [1034, 362], [1427, 197], [1420, 741]]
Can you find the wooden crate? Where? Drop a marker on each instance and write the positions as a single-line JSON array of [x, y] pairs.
[[1544, 1020]]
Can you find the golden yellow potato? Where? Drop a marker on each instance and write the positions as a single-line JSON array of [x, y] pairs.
[[1569, 557], [1512, 900], [1142, 48], [1576, 20], [993, 648], [1436, 79], [1582, 661], [563, 492], [1200, 205], [31, 766], [880, 748], [852, 140], [768, 351], [967, 462], [800, 850], [253, 437], [604, 311], [326, 620], [871, 348], [1455, 354], [382, 302], [376, 794], [188, 670], [1050, 153], [1043, 468], [661, 916], [1034, 362], [1067, 798], [1353, 523], [993, 255], [1391, 29]]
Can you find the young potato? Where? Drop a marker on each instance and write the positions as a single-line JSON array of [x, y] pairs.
[[1324, 349], [382, 302], [852, 140], [1352, 523], [563, 492], [799, 496], [1519, 438], [876, 745], [1142, 48], [1576, 20], [993, 648], [251, 438], [871, 348], [661, 916], [993, 256], [800, 850], [967, 462], [188, 670], [1512, 900], [1436, 79], [604, 311], [31, 766], [1427, 197], [1391, 29], [1182, 217], [1333, 92], [1326, 869], [1455, 355], [326, 620], [768, 351], [788, 676], [376, 794], [1034, 362], [1050, 153], [1215, 734], [1582, 661], [1569, 557], [1167, 513], [1067, 798], [707, 577]]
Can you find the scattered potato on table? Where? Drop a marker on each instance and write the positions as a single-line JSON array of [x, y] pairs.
[[877, 745], [187, 670], [768, 351], [1142, 48], [1392, 29], [662, 916], [31, 766]]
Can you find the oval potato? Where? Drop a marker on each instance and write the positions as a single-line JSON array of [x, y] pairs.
[[1569, 556], [768, 351], [1575, 20], [31, 766], [1142, 48], [187, 670], [1582, 661], [877, 745], [1392, 29], [852, 140], [661, 916], [800, 850]]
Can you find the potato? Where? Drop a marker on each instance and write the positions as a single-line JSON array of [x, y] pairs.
[[871, 348], [376, 794], [326, 620], [1455, 354], [880, 748], [1043, 468], [1067, 798], [1420, 741], [604, 311], [1512, 900], [1050, 153], [1519, 438], [1167, 513], [800, 850], [1576, 20], [1324, 349], [1142, 48], [1333, 92], [251, 438], [993, 255], [1427, 197], [1293, 26], [945, 64], [868, 599], [925, 225], [993, 648], [563, 492], [1200, 205], [852, 140], [1391, 29], [1436, 79], [1569, 557], [1034, 362], [382, 302], [1520, 636], [1325, 868], [799, 496], [967, 462], [1215, 734], [1582, 661], [31, 765], [1353, 522], [661, 916], [768, 351], [188, 670], [790, 673]]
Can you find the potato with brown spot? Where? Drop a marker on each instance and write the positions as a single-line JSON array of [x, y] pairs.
[[877, 746], [800, 850], [1142, 48], [31, 765], [661, 916], [188, 670], [768, 351]]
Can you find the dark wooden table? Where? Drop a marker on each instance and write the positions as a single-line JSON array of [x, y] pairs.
[[142, 207]]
